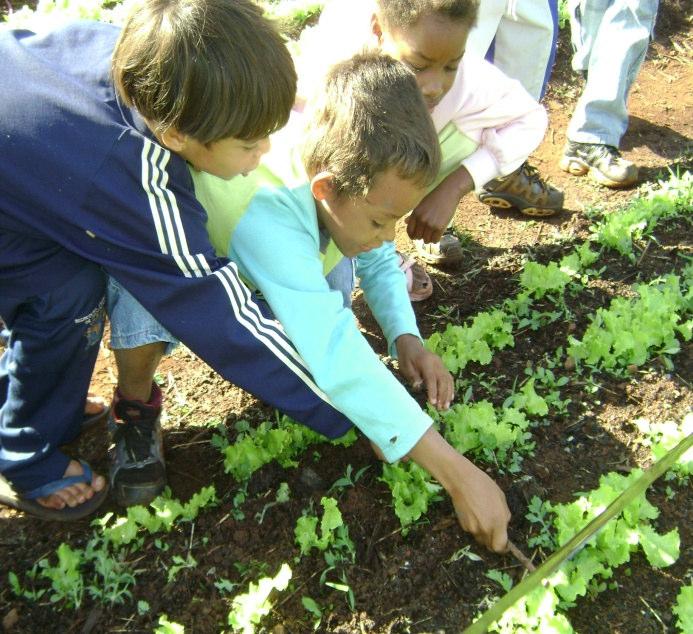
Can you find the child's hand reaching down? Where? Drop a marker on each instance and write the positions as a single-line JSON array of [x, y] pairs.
[[479, 502], [421, 367]]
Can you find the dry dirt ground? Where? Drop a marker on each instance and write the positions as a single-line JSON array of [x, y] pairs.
[[407, 584]]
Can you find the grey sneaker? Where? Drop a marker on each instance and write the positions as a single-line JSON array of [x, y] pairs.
[[603, 163], [137, 471], [447, 251], [525, 191]]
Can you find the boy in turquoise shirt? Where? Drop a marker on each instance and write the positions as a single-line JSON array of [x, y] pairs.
[[365, 158]]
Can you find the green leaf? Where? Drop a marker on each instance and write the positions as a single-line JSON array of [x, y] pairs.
[[312, 606], [683, 608], [168, 627], [661, 550], [501, 578]]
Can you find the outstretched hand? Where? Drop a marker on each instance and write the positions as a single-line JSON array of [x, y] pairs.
[[424, 368], [482, 510]]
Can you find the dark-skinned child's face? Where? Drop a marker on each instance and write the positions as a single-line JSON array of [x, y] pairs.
[[432, 47]]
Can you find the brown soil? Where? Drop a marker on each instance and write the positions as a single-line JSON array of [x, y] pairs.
[[406, 584]]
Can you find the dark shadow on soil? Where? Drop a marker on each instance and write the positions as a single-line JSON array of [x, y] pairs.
[[662, 140]]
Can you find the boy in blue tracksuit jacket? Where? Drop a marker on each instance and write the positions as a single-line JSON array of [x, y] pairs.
[[97, 129]]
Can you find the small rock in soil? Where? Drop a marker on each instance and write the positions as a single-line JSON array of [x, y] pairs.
[[10, 620], [311, 480]]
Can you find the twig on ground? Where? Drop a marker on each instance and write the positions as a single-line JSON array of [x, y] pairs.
[[649, 607], [644, 252], [521, 557]]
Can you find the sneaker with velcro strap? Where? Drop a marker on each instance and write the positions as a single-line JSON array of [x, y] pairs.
[[137, 470]]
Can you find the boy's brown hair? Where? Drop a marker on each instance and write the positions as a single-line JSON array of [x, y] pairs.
[[404, 13], [368, 117], [212, 69]]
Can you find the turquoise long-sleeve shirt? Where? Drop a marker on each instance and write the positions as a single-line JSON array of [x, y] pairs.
[[268, 224]]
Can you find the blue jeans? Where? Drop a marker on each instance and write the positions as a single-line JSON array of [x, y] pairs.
[[519, 38], [610, 38], [133, 326]]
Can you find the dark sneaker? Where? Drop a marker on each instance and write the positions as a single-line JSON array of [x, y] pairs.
[[604, 164], [137, 470], [447, 251], [525, 191]]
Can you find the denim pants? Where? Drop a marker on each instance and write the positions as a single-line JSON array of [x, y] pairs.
[[610, 39]]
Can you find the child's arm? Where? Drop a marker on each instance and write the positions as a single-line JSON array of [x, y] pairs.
[[283, 264], [506, 122], [479, 502], [424, 368], [275, 245], [385, 290]]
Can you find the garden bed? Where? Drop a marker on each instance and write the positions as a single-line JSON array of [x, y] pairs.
[[433, 579]]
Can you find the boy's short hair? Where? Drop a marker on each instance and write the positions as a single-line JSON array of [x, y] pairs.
[[368, 117], [404, 13], [212, 69]]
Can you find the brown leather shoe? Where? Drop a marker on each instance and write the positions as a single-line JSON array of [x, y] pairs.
[[525, 191]]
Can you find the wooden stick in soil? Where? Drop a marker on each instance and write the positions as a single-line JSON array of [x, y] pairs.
[[521, 557]]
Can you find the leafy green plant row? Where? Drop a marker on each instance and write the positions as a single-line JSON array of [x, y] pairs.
[[631, 331], [292, 15], [50, 13], [497, 436], [100, 569], [330, 536], [590, 570], [493, 330], [663, 437], [668, 199], [283, 441]]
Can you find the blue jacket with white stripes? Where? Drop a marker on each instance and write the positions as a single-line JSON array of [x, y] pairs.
[[81, 176]]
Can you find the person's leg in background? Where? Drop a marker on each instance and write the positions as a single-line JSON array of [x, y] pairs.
[[482, 36], [520, 39], [525, 44], [611, 39]]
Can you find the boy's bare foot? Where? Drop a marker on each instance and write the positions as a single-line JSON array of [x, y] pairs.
[[75, 494]]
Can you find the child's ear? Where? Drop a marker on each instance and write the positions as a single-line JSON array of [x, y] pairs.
[[173, 139], [376, 28], [322, 186]]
